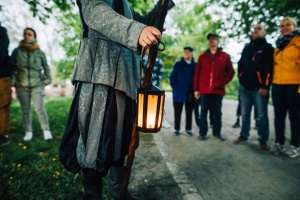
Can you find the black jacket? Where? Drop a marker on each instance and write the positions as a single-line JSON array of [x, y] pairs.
[[5, 67], [255, 67]]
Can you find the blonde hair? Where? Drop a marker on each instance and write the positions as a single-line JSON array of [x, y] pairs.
[[292, 20]]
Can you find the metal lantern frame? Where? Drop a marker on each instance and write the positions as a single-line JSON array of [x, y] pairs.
[[150, 116]]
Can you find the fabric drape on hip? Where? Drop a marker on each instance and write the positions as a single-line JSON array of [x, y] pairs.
[[102, 128]]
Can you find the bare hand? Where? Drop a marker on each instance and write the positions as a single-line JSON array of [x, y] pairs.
[[197, 94], [263, 92], [149, 37]]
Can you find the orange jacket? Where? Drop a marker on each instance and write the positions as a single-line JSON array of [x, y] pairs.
[[287, 63]]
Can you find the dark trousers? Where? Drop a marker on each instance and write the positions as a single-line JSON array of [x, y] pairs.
[[213, 102], [188, 114], [286, 99], [197, 113]]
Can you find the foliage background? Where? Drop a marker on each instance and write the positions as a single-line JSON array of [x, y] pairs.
[[187, 24]]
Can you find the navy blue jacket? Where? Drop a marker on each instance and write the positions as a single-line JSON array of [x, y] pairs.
[[255, 67], [5, 68], [181, 80]]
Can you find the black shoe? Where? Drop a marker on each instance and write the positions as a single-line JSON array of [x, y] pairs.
[[236, 125], [220, 138], [197, 122], [189, 133], [4, 140], [202, 138], [256, 125], [115, 184], [177, 133]]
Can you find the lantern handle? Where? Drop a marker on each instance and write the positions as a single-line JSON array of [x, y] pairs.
[[163, 46]]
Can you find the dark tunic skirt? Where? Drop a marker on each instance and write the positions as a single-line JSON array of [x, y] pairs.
[[98, 130]]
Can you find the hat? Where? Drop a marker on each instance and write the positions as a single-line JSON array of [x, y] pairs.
[[188, 48], [212, 35]]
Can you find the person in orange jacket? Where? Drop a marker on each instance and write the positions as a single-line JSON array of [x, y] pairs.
[[286, 87]]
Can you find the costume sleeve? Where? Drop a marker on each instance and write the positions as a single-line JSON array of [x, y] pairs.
[[267, 67], [197, 75], [99, 16], [149, 19], [229, 70], [47, 72]]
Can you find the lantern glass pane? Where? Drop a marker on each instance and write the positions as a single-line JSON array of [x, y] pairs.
[[162, 99], [140, 110], [151, 110]]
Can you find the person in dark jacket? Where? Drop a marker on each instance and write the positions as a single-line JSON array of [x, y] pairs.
[[5, 87], [181, 80], [255, 72], [214, 70], [106, 77]]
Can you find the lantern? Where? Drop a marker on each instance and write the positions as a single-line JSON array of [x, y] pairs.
[[150, 102]]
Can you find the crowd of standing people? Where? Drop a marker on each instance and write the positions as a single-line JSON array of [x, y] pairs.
[[260, 69], [107, 76]]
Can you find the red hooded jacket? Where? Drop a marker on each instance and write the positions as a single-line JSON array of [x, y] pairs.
[[213, 72]]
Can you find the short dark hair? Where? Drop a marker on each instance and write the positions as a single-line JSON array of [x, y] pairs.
[[212, 35], [31, 29], [189, 48]]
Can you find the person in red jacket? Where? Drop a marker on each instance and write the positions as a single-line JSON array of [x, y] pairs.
[[213, 71]]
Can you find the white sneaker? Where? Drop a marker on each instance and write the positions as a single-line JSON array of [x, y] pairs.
[[28, 136], [278, 149], [165, 124], [47, 135], [293, 151]]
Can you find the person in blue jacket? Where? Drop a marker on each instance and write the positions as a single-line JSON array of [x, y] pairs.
[[181, 80]]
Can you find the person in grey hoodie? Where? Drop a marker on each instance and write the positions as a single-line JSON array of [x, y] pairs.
[[30, 74], [106, 78]]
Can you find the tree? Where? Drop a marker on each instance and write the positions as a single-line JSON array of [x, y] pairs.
[[189, 28], [43, 9], [15, 17], [71, 31], [187, 24], [242, 15]]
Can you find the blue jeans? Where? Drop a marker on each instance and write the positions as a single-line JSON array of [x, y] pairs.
[[249, 98], [212, 102]]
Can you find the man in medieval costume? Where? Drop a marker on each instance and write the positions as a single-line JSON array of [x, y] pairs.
[[106, 78]]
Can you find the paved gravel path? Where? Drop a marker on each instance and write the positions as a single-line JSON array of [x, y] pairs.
[[214, 170]]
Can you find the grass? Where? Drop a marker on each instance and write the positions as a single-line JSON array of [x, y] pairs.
[[32, 170]]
